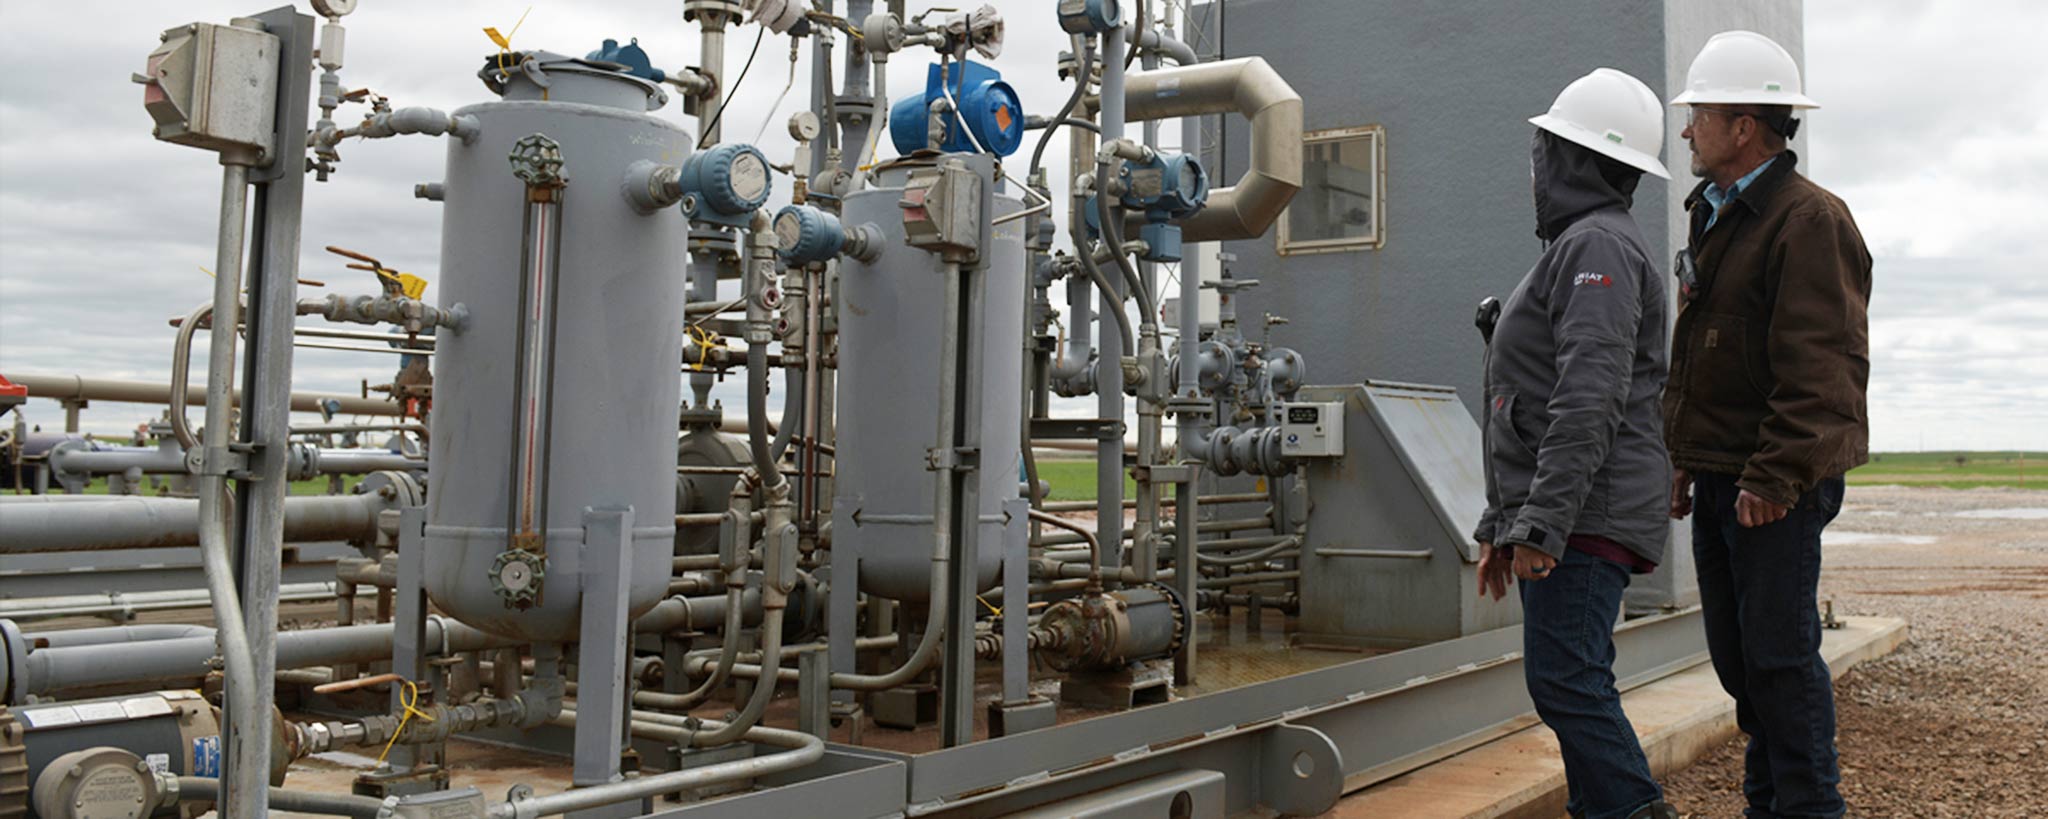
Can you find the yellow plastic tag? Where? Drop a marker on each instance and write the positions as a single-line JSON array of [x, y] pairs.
[[413, 286]]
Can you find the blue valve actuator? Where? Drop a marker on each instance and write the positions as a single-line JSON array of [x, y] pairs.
[[990, 107], [630, 56]]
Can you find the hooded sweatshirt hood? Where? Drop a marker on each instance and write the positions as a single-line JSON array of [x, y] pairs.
[[1571, 182]]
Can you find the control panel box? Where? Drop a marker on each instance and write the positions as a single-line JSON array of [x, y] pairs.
[[1312, 429], [214, 87]]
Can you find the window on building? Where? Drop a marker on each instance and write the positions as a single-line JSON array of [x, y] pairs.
[[1342, 204]]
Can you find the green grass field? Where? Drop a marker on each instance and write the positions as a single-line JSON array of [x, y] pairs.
[[1075, 480], [1955, 470]]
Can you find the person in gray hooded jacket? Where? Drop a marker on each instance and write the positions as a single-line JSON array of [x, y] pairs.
[[1576, 468]]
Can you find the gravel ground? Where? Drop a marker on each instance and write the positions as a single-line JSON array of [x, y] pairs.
[[1953, 724]]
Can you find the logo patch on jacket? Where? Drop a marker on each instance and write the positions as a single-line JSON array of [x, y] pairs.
[[1587, 277]]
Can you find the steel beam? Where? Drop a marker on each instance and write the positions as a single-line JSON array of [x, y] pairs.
[[1357, 723]]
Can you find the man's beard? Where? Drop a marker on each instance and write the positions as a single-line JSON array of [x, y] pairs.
[[1699, 167]]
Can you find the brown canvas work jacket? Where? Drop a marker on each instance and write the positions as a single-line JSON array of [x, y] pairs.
[[1771, 350]]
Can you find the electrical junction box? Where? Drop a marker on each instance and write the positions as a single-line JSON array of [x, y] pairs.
[[1312, 430], [214, 87]]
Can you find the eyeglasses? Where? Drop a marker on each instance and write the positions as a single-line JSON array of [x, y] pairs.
[[1692, 112]]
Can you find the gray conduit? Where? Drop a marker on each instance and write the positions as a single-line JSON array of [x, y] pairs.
[[207, 789]]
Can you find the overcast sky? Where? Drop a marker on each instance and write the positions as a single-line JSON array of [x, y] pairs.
[[1935, 131]]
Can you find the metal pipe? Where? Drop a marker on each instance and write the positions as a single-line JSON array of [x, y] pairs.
[[1284, 546], [110, 635], [1087, 506], [114, 390], [244, 768], [124, 606], [1159, 44], [139, 522], [1403, 554], [804, 750], [1207, 526], [1251, 88], [940, 595], [1109, 371], [162, 461], [1094, 545], [406, 343]]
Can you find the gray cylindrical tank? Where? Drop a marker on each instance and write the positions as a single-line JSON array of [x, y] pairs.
[[889, 312], [608, 437]]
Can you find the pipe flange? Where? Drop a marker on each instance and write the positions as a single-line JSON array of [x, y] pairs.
[[1183, 614], [516, 576]]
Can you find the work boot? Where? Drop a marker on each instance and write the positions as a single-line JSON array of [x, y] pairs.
[[1659, 809]]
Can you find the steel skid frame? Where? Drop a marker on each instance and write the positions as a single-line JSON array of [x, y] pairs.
[[1293, 745]]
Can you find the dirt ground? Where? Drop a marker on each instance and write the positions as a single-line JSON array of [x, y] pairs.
[[1953, 723]]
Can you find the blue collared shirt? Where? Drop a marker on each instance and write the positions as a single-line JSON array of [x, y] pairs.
[[1717, 197]]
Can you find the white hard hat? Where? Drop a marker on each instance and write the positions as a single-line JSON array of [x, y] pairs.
[[1614, 115], [1743, 68]]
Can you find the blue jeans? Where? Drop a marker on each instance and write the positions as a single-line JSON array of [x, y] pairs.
[[1568, 658], [1758, 589]]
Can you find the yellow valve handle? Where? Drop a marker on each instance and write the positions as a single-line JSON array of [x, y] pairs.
[[991, 606], [705, 341], [408, 698]]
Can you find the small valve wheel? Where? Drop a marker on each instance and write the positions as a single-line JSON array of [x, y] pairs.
[[516, 576]]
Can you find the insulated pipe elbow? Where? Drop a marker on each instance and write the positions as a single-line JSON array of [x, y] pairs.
[[1251, 88]]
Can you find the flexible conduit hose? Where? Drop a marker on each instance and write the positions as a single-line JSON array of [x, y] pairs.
[[1085, 67], [207, 789], [742, 502], [1112, 238]]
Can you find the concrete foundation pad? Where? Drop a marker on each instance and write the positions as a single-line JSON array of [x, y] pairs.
[[1678, 718]]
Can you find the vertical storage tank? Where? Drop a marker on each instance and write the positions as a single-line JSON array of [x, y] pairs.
[[889, 315], [562, 391]]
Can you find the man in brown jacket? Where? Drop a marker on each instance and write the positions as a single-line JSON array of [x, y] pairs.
[[1764, 411]]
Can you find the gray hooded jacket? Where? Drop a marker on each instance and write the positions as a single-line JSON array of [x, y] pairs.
[[1574, 427]]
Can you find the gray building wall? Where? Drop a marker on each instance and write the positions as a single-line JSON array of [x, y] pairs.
[[1453, 83]]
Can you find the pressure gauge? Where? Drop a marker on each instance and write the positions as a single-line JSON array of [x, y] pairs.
[[334, 8], [803, 126]]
